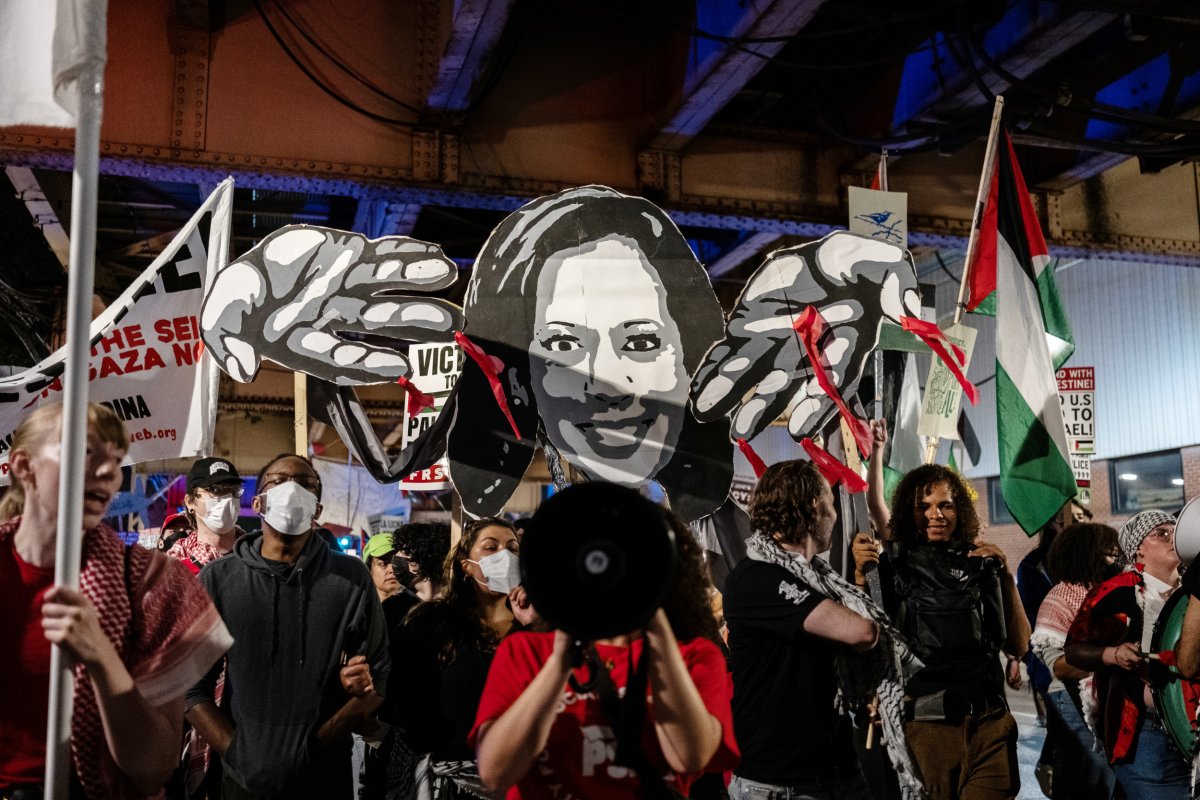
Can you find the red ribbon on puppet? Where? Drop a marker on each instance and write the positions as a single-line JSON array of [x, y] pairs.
[[832, 469], [812, 327], [756, 463], [417, 400], [935, 337], [490, 366]]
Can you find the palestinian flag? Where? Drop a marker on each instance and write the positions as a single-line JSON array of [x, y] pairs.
[[1013, 264]]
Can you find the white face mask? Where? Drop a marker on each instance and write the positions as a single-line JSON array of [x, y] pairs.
[[221, 513], [289, 508], [501, 571]]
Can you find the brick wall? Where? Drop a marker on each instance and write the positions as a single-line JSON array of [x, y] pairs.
[[1191, 471]]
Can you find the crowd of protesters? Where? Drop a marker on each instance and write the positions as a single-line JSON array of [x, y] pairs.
[[252, 665]]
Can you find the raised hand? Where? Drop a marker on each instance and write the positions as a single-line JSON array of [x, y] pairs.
[[854, 281], [523, 610], [290, 297]]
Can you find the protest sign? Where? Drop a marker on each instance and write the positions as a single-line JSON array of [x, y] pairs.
[[148, 362]]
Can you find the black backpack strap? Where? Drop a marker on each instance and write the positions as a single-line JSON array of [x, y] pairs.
[[628, 717]]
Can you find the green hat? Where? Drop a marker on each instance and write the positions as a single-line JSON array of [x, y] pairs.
[[378, 545]]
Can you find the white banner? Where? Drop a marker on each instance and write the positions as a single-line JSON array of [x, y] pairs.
[[148, 362]]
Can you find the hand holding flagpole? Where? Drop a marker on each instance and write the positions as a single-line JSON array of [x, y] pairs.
[[78, 79]]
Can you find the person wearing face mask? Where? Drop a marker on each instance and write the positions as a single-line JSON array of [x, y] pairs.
[[213, 500], [212, 503], [442, 656], [423, 547], [299, 614], [1111, 636]]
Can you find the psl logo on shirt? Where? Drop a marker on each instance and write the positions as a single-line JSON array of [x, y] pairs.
[[793, 592], [599, 749]]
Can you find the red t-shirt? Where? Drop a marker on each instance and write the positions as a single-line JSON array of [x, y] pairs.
[[24, 668], [577, 763]]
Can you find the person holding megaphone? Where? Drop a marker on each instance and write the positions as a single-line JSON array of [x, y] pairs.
[[631, 686]]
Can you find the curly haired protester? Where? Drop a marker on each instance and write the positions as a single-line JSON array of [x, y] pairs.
[[954, 599], [806, 647], [135, 656], [423, 546]]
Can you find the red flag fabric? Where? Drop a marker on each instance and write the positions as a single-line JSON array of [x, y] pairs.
[[936, 339], [812, 328], [417, 400], [756, 463], [832, 469], [491, 366], [983, 267]]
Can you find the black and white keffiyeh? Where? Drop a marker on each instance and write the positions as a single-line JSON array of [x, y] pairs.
[[882, 671]]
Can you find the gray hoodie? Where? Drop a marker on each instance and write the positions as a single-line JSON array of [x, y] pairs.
[[292, 630]]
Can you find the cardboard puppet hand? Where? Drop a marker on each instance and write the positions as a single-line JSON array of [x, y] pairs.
[[290, 297], [758, 370]]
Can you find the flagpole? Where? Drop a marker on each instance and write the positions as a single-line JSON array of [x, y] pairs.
[[989, 159], [69, 547], [883, 187], [300, 412]]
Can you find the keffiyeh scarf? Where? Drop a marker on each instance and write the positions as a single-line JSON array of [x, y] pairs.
[[880, 672]]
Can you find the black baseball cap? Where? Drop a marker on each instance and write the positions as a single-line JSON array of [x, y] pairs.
[[210, 471]]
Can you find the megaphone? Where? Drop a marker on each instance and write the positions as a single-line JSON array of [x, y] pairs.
[[597, 560], [1187, 532]]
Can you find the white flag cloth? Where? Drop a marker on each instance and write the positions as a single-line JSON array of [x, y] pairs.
[[908, 451], [45, 47]]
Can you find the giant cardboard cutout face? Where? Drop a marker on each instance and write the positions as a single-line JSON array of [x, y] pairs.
[[599, 312], [608, 376]]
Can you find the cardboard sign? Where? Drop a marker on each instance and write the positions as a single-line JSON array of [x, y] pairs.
[[148, 362], [436, 368], [880, 215], [943, 394], [1077, 398]]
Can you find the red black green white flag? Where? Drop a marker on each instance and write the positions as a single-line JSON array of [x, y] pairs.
[[1033, 338]]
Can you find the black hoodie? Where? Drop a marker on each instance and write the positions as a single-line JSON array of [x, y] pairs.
[[292, 628]]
